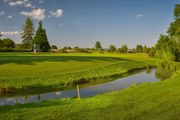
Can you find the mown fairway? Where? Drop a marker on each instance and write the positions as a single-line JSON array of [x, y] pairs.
[[152, 101], [44, 71]]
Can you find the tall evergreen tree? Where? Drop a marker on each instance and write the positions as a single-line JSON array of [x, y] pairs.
[[28, 32], [40, 39]]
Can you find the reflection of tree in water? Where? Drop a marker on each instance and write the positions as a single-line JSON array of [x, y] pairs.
[[39, 97], [165, 69], [148, 71], [163, 74], [26, 98]]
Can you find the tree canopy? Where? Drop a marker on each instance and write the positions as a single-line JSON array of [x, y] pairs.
[[168, 46], [40, 39], [7, 43], [139, 48], [98, 45], [112, 48], [28, 32]]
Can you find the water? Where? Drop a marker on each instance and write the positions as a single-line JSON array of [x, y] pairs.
[[119, 84]]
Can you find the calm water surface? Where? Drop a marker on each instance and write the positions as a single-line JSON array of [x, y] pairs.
[[89, 91]]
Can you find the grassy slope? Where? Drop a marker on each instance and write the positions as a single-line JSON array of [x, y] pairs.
[[153, 101], [55, 69]]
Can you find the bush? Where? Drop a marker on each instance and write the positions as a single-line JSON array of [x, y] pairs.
[[54, 47], [7, 43]]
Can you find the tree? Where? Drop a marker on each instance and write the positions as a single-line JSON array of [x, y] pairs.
[[54, 47], [146, 49], [123, 49], [112, 48], [164, 48], [139, 48], [7, 43], [174, 28], [40, 39], [28, 32], [98, 45], [168, 46], [177, 11], [0, 34]]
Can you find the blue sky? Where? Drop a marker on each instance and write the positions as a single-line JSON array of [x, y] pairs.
[[83, 22]]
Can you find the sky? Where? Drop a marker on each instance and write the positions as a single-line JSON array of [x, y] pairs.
[[83, 22]]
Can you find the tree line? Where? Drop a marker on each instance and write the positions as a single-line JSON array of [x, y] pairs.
[[123, 49], [168, 46]]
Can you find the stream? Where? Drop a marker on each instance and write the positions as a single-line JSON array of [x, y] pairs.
[[88, 91]]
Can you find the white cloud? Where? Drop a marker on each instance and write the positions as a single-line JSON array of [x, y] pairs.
[[14, 3], [139, 15], [57, 13], [9, 17], [10, 33], [35, 13], [25, 3], [29, 5], [2, 13]]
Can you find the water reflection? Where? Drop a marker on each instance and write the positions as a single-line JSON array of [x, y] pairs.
[[163, 74], [150, 75], [148, 71], [165, 70]]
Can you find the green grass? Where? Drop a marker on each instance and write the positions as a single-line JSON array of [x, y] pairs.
[[29, 73], [148, 101]]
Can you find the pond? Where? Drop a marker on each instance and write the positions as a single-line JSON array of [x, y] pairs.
[[89, 91]]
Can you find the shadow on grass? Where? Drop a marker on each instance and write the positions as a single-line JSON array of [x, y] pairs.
[[50, 103], [30, 60]]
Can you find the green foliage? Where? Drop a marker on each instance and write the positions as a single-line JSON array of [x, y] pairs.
[[164, 48], [123, 49], [174, 29], [7, 43], [98, 45], [177, 11], [112, 48], [40, 39], [139, 49], [0, 34], [20, 46], [28, 32], [146, 49], [54, 47], [168, 46], [152, 52]]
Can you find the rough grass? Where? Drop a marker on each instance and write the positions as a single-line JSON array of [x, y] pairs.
[[148, 101], [44, 71]]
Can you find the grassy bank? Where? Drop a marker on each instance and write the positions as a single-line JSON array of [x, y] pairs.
[[28, 73], [152, 101]]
